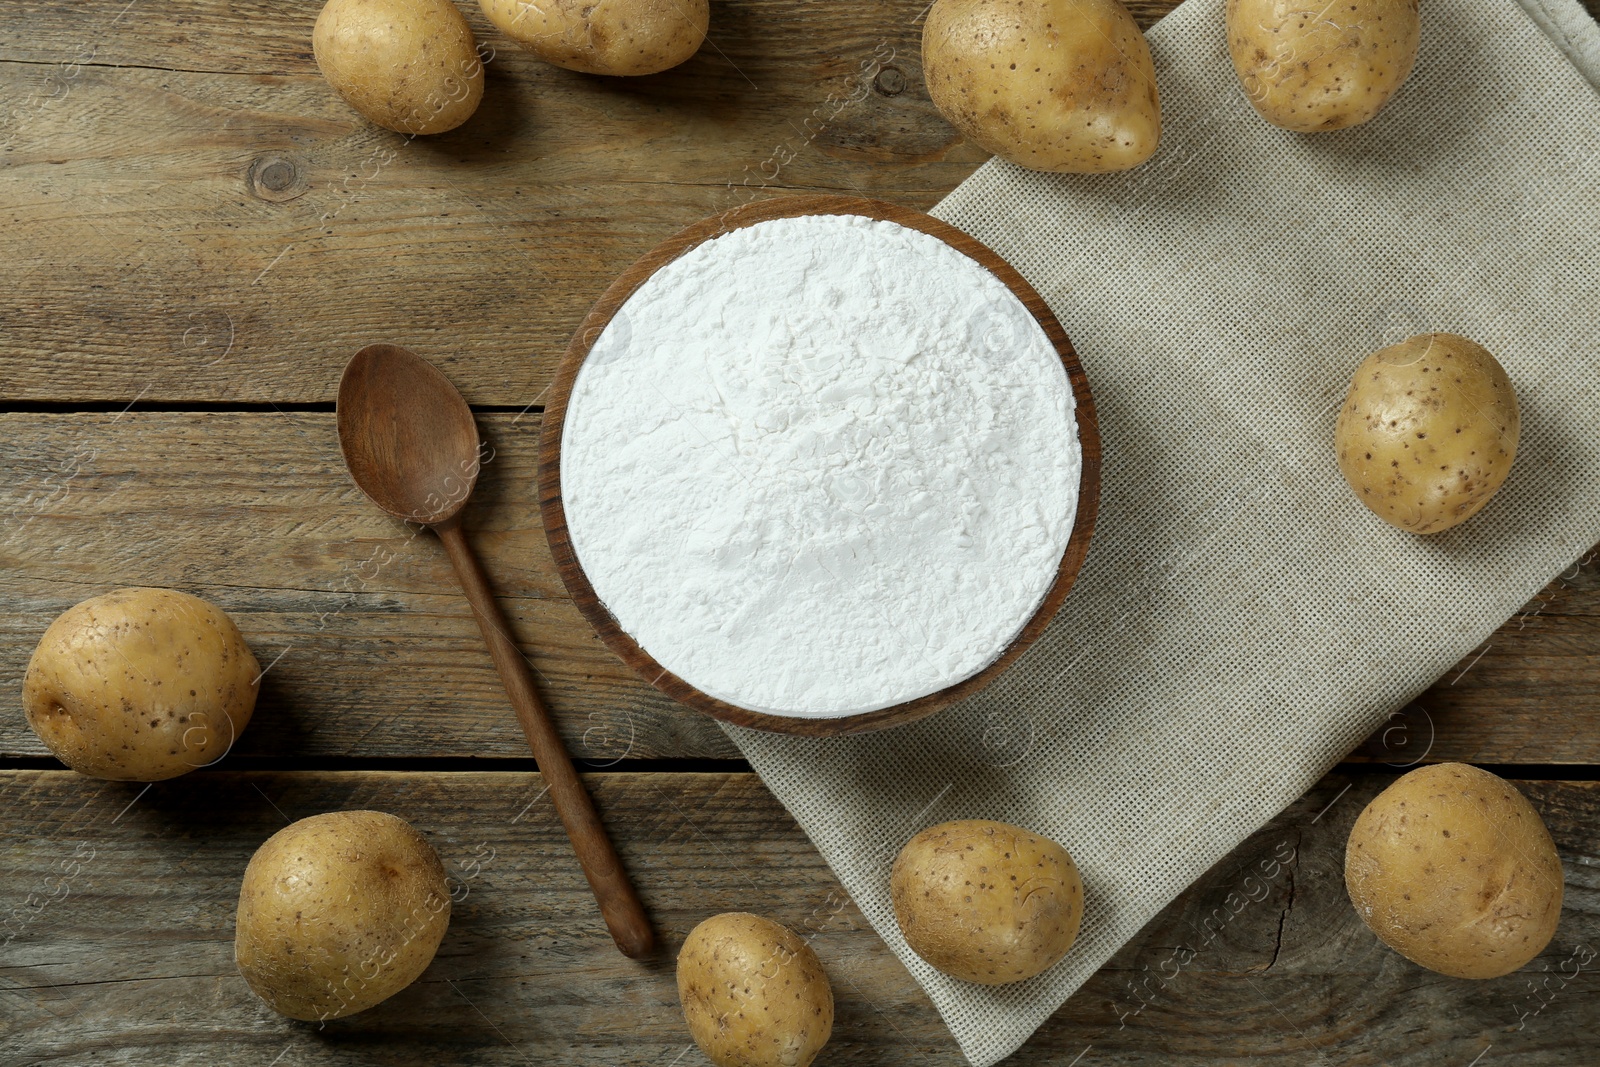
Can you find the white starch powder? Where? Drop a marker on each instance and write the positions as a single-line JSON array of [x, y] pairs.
[[822, 465]]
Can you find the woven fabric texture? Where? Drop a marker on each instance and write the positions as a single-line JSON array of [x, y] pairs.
[[1242, 621]]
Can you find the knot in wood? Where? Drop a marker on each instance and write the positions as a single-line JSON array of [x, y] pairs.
[[891, 81], [276, 178]]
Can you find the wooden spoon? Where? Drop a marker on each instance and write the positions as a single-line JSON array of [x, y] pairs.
[[410, 442]]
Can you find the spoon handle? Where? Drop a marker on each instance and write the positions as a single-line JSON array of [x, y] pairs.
[[619, 903]]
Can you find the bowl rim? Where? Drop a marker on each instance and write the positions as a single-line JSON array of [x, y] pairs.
[[553, 511]]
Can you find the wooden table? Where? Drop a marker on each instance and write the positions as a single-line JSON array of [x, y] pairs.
[[199, 233]]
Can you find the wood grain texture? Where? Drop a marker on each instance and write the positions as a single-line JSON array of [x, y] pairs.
[[1529, 694], [374, 654], [214, 209], [193, 217], [198, 217], [264, 37], [120, 909], [595, 324], [369, 648]]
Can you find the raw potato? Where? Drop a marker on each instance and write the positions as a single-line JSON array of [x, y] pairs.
[[1452, 868], [604, 36], [408, 65], [753, 994], [1057, 85], [1317, 67], [339, 912], [1428, 431], [987, 901], [140, 685]]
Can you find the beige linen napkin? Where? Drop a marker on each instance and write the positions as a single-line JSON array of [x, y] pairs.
[[1243, 621]]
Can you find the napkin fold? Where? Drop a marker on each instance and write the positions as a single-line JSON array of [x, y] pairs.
[[1242, 621]]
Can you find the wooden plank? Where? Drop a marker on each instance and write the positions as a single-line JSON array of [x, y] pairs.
[[269, 37], [121, 945], [380, 658], [141, 217], [370, 649], [199, 218], [183, 188], [1529, 694]]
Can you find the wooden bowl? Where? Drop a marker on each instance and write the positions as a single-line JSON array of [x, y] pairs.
[[555, 414]]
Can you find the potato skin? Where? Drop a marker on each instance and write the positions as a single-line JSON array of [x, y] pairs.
[[618, 37], [408, 65], [1314, 68], [1428, 431], [1452, 868], [140, 685], [1052, 85], [987, 901], [753, 993], [339, 912]]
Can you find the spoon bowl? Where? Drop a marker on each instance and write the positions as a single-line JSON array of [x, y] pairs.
[[408, 436]]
